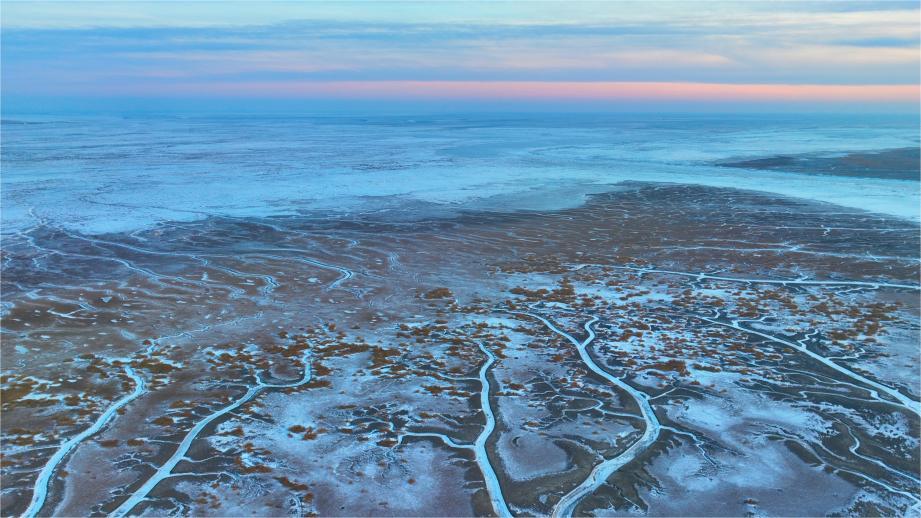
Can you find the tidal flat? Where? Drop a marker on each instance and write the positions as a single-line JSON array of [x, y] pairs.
[[660, 349]]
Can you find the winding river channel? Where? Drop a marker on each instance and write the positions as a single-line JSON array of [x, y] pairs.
[[40, 493], [166, 469], [567, 505]]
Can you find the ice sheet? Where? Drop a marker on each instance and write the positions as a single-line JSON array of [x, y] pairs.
[[119, 174]]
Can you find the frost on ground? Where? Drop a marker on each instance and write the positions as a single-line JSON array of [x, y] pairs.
[[479, 364]]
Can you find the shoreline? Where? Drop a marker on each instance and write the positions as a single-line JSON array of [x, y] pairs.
[[541, 198]]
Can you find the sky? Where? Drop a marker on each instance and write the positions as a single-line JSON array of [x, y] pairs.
[[379, 55]]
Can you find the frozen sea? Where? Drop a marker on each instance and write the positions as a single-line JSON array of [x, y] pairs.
[[107, 174]]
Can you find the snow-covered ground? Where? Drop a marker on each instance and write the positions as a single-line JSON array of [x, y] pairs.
[[112, 174]]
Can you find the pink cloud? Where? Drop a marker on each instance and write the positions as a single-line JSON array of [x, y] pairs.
[[539, 90]]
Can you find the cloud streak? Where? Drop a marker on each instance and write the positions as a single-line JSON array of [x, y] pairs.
[[544, 90]]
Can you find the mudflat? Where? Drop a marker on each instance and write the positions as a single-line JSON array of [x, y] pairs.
[[891, 164], [666, 349]]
